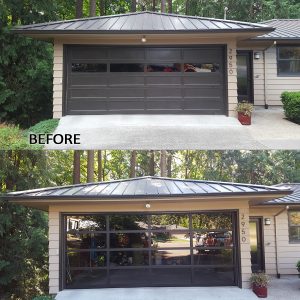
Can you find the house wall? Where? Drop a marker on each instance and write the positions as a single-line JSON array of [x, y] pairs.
[[54, 226], [275, 84], [58, 62], [288, 253]]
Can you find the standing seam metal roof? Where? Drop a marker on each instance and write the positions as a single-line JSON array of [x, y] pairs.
[[285, 29], [294, 198], [145, 186], [142, 22]]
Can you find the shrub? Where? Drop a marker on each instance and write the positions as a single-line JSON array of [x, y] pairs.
[[291, 106], [12, 138], [47, 126], [245, 108], [259, 279]]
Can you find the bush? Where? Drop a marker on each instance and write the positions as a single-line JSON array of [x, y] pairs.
[[12, 138], [47, 126], [291, 106]]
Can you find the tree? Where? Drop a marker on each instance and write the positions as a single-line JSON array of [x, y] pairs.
[[133, 164], [90, 165], [100, 170], [79, 9], [133, 6], [163, 161], [170, 6], [163, 6], [76, 167], [92, 11]]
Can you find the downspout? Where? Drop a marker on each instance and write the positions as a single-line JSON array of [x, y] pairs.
[[265, 75], [276, 244]]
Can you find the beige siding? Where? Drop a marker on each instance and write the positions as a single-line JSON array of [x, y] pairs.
[[58, 63], [57, 80], [275, 84], [288, 254], [55, 210]]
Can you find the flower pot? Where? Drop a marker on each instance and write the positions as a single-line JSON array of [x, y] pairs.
[[244, 119], [260, 291]]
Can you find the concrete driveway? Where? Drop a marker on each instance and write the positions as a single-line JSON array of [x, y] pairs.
[[143, 132], [287, 287]]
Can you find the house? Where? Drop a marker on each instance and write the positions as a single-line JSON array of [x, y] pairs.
[[158, 63], [153, 231]]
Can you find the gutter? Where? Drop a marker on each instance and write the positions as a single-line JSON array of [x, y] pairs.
[[276, 244]]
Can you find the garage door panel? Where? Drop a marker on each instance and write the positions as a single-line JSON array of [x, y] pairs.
[[92, 53], [125, 80], [133, 105], [164, 80], [88, 80], [126, 92], [89, 93], [125, 86], [162, 104], [203, 92], [127, 53], [163, 54], [165, 91]]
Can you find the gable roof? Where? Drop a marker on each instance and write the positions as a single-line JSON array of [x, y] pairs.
[[294, 198], [148, 186], [285, 29], [141, 22]]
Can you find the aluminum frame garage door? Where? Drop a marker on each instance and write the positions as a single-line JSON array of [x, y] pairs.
[[139, 80], [138, 249]]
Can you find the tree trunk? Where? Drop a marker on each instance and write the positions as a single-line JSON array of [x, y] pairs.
[[132, 164], [90, 166], [102, 7], [79, 9], [169, 164], [163, 165], [153, 5], [163, 6], [170, 7], [99, 154], [92, 8], [187, 7], [151, 164], [76, 167], [133, 6]]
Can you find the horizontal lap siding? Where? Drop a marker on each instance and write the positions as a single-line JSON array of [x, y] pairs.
[[288, 254], [275, 84], [57, 80]]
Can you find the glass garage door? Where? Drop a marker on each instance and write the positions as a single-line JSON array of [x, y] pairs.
[[121, 250]]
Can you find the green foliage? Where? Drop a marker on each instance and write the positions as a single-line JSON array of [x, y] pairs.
[[245, 108], [291, 105], [259, 279], [12, 138], [298, 265], [46, 126]]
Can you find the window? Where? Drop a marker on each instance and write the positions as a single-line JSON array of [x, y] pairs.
[[87, 67], [126, 67], [294, 226], [288, 60], [201, 68], [168, 67]]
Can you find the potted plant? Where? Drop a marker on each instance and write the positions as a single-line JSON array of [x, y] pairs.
[[259, 283], [244, 110], [298, 267]]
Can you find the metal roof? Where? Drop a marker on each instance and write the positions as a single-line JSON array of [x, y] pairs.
[[141, 22], [285, 29], [147, 187], [293, 198]]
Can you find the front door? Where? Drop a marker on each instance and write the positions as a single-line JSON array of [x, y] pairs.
[[244, 76], [256, 244]]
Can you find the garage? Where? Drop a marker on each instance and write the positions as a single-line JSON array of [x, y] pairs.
[[161, 249], [144, 80]]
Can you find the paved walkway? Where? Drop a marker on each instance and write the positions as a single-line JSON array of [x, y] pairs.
[[281, 289], [143, 132]]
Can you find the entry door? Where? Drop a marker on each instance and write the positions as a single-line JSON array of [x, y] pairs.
[[256, 244], [245, 76]]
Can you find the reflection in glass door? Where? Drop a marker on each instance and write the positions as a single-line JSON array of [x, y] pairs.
[[244, 76], [256, 244]]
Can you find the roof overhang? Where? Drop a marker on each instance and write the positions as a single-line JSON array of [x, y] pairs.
[[43, 203]]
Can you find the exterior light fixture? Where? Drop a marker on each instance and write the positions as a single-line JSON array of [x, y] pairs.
[[148, 205], [143, 39], [256, 55], [267, 221]]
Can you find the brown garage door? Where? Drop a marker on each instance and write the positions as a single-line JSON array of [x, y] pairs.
[[138, 80]]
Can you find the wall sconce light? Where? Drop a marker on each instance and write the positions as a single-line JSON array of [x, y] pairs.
[[256, 55], [148, 205], [143, 39], [267, 221]]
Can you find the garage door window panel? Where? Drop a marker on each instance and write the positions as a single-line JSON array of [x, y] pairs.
[[166, 67], [89, 67], [126, 67], [201, 67]]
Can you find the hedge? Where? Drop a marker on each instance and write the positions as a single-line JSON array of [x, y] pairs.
[[291, 106]]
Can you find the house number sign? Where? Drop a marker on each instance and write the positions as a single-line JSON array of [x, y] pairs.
[[243, 228], [230, 56]]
